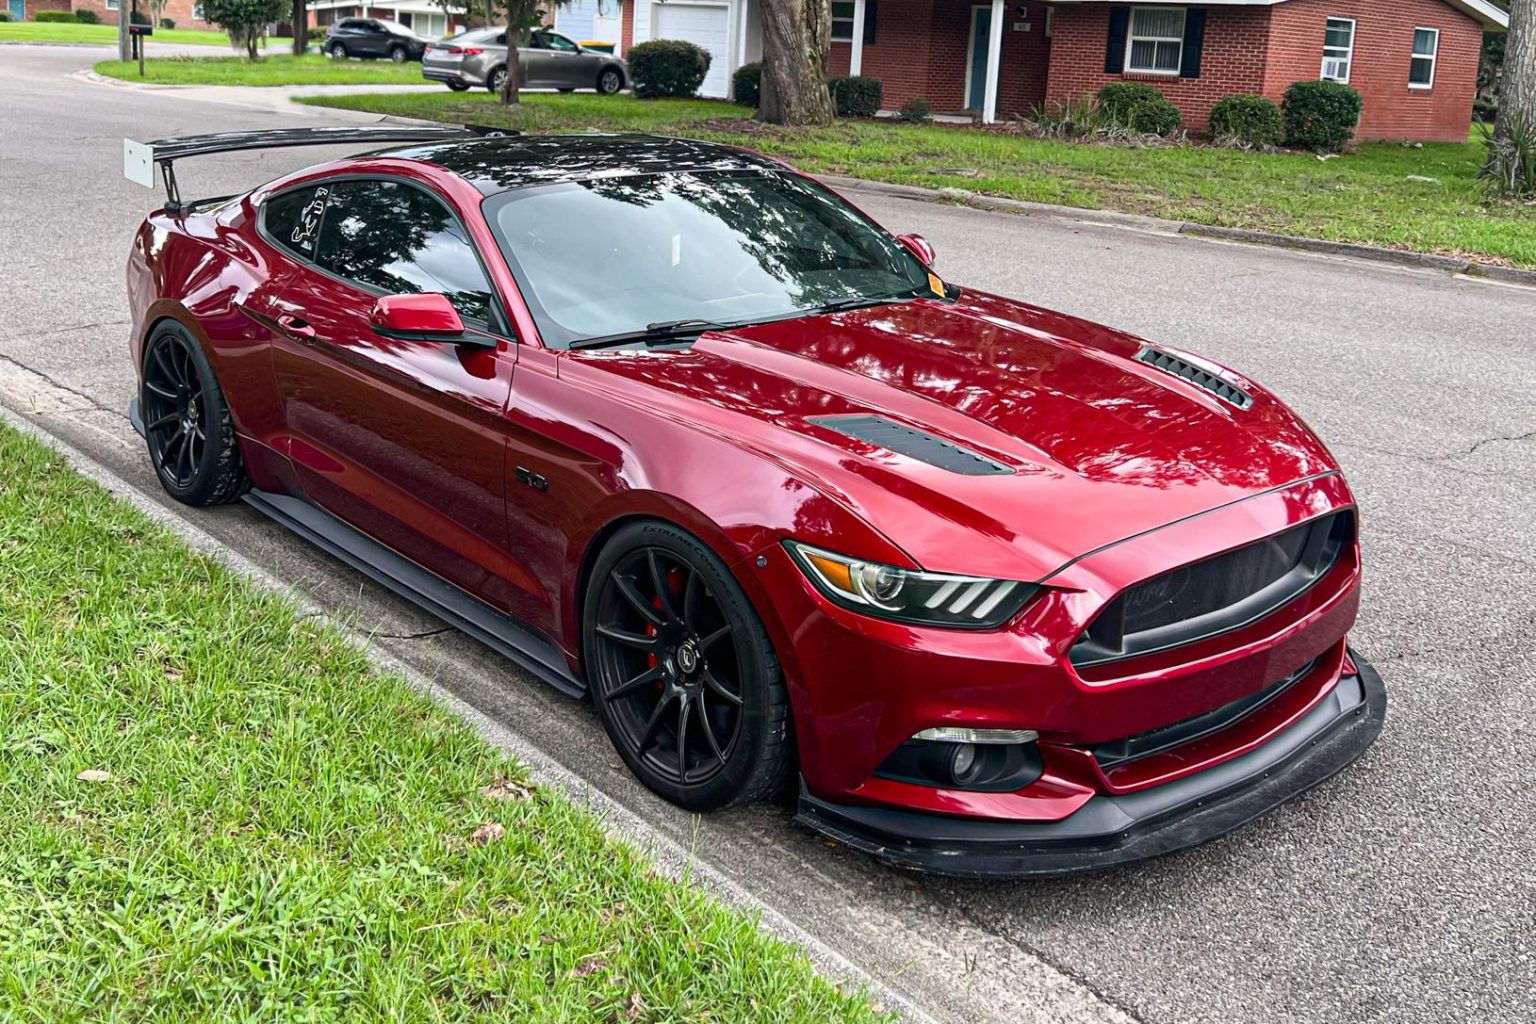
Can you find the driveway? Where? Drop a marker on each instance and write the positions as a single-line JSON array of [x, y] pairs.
[[1403, 891]]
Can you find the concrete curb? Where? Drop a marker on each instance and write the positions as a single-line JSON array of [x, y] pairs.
[[1379, 254], [670, 858]]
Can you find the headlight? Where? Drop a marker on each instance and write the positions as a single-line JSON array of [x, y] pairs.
[[907, 595]]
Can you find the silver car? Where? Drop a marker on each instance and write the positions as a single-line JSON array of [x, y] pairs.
[[549, 61]]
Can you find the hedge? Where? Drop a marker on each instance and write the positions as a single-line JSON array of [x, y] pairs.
[[56, 17], [1321, 115], [1247, 119], [855, 96], [667, 67], [747, 85], [86, 16]]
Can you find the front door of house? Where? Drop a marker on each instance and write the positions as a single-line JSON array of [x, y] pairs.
[[976, 67], [18, 10]]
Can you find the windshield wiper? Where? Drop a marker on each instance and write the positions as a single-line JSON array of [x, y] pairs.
[[661, 330], [861, 301]]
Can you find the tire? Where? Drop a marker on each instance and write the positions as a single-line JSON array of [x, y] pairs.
[[398, 54], [609, 81], [566, 90], [496, 79], [457, 86], [694, 655], [188, 428], [338, 51]]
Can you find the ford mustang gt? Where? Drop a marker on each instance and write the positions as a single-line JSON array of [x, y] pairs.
[[675, 427]]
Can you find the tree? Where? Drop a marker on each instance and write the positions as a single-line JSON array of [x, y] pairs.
[[246, 21], [796, 36], [521, 17], [1512, 150], [300, 19]]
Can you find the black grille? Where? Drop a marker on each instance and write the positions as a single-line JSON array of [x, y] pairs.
[[915, 444], [1170, 363], [1219, 594]]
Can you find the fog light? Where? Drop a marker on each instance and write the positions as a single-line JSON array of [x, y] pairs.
[[962, 762], [949, 734]]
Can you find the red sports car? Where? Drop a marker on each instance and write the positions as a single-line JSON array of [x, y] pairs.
[[674, 426]]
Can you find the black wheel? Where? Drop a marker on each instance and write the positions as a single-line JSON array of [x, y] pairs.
[[457, 86], [610, 81], [497, 80], [338, 51], [187, 425], [682, 672], [398, 54]]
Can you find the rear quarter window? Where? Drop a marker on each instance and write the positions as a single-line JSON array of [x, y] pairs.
[[292, 220]]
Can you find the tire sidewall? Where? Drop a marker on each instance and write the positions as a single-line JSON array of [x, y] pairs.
[[399, 54], [496, 79], [604, 76], [760, 673], [337, 51], [211, 414]]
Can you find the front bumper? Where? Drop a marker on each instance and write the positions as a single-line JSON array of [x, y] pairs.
[[1110, 830]]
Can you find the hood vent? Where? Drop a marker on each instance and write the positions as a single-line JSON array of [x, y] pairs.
[[914, 444], [1169, 363]]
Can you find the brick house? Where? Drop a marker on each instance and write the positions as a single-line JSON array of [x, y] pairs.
[[1413, 61], [182, 12]]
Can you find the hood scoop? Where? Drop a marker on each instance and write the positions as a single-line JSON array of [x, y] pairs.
[[914, 444], [1185, 370]]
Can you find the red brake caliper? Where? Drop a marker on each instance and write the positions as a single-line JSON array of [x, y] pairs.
[[674, 584]]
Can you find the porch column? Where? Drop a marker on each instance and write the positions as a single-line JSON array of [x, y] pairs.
[[856, 60], [994, 62]]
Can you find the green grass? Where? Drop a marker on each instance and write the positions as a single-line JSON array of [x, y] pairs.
[[1362, 197], [105, 35], [282, 833], [274, 69]]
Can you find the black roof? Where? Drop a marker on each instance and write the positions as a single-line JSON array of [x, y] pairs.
[[494, 165]]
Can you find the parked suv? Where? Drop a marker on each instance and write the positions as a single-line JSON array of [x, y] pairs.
[[549, 61], [373, 37]]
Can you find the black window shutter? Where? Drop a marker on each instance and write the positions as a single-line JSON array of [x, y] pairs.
[[870, 7], [1194, 42], [1119, 28]]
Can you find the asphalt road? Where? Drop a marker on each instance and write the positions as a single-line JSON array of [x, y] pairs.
[[1403, 891]]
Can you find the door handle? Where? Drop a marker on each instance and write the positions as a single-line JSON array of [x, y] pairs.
[[297, 326]]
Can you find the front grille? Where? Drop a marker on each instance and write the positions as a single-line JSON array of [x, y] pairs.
[[1155, 741], [1216, 595]]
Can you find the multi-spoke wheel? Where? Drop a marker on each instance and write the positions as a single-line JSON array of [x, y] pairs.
[[186, 422], [682, 671]]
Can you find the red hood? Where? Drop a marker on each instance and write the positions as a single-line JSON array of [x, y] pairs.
[[1103, 447]]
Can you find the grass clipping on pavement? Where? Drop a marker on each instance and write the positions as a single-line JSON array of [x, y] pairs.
[[212, 809]]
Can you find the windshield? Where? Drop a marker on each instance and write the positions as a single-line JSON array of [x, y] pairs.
[[612, 255]]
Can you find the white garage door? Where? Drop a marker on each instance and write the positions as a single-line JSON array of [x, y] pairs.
[[704, 24]]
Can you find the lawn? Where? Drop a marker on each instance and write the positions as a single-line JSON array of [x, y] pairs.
[[212, 809], [103, 35], [274, 69], [1366, 196]]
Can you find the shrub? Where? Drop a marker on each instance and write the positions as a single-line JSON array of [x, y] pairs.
[[1247, 120], [5, 15], [917, 110], [55, 16], [317, 34], [167, 23], [747, 84], [1072, 118], [86, 16], [1321, 115], [1138, 107], [1511, 157], [139, 18], [667, 67], [855, 96]]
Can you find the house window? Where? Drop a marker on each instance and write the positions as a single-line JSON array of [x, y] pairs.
[[1426, 48], [113, 5], [1156, 45], [1338, 49], [842, 21]]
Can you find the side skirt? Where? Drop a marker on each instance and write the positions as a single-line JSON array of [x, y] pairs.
[[501, 633]]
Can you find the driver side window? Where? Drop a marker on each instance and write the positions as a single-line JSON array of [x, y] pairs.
[[393, 238]]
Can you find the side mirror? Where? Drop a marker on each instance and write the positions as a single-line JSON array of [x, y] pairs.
[[920, 247], [428, 316]]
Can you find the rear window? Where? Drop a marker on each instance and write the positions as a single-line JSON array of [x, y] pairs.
[[292, 220]]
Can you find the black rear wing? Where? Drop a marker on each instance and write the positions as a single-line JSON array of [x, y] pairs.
[[141, 158]]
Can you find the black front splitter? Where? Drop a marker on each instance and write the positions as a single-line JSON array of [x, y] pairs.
[[1111, 830]]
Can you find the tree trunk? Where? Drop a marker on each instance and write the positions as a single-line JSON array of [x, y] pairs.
[[796, 35], [300, 19], [514, 79], [1512, 152]]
